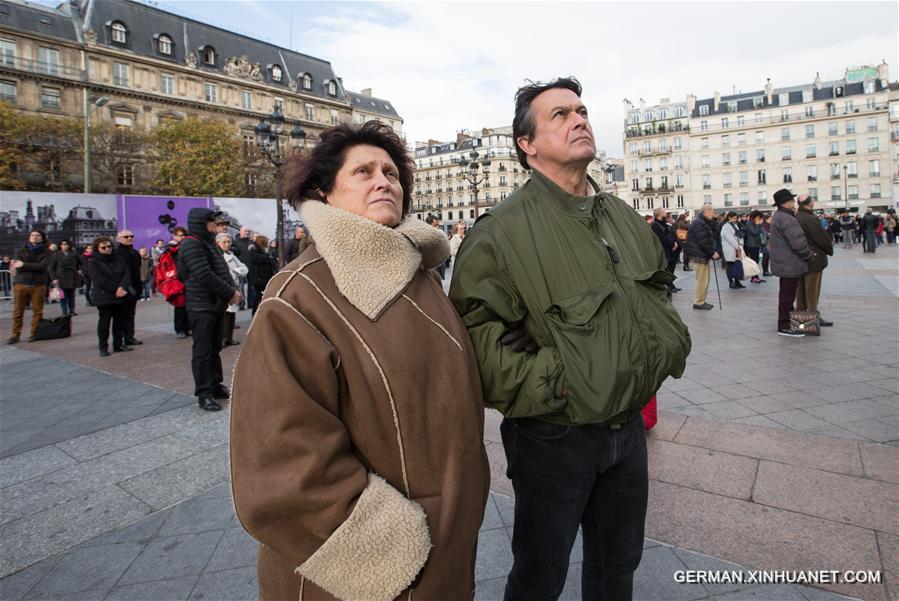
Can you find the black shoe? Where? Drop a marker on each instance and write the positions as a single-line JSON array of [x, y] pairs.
[[675, 289], [122, 349], [791, 333], [738, 284], [230, 343], [104, 352], [237, 326], [209, 404], [733, 285], [708, 305], [688, 269], [12, 340], [133, 342], [824, 323], [703, 307], [221, 392]]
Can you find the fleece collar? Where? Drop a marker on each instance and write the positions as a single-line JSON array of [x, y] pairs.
[[372, 264]]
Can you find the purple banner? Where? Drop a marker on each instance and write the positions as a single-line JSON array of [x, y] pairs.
[[150, 218]]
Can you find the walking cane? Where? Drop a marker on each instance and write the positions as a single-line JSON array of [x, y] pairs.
[[715, 268]]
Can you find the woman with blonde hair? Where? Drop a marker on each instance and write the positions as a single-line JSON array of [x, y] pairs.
[[360, 477]]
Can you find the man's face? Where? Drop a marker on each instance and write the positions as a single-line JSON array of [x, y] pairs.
[[212, 227], [244, 232], [178, 237], [221, 228], [35, 237], [708, 213], [661, 216], [126, 238], [298, 233], [562, 134]]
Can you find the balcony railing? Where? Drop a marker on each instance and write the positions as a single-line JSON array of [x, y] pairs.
[[19, 63]]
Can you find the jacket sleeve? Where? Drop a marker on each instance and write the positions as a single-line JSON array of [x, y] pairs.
[[42, 265], [239, 267], [796, 239], [518, 384], [53, 266], [298, 486], [194, 258]]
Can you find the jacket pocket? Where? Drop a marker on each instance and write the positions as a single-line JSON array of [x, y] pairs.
[[661, 325], [577, 312]]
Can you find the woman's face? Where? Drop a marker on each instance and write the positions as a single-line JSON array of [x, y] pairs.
[[225, 244], [105, 248], [368, 185], [64, 246]]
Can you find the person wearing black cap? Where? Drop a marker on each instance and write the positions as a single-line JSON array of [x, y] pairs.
[[790, 254], [208, 290], [810, 284]]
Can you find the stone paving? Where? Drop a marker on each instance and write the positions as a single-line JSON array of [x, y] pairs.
[[124, 495]]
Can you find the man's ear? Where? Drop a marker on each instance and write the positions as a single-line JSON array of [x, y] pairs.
[[524, 143]]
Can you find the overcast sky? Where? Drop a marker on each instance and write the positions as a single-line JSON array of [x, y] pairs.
[[454, 65]]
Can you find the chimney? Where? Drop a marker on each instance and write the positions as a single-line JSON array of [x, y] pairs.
[[717, 101], [883, 74], [628, 107], [366, 92], [817, 81], [769, 92], [691, 103]]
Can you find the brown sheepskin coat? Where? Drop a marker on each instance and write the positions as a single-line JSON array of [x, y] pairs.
[[357, 456]]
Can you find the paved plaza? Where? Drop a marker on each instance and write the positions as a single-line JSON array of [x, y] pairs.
[[770, 453]]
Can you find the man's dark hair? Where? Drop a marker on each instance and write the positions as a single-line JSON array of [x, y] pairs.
[[755, 214], [180, 230], [523, 124], [431, 219], [312, 176], [65, 241]]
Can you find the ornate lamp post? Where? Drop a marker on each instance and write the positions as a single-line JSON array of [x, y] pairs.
[[89, 108], [468, 170], [268, 136], [846, 187]]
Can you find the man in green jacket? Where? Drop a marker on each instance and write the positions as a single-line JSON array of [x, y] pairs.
[[565, 295], [809, 289]]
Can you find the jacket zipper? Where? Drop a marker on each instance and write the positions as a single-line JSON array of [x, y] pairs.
[[615, 259]]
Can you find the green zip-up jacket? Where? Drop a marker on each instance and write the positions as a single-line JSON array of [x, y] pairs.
[[585, 276]]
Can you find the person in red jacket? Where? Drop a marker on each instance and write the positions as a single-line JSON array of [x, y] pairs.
[[170, 286]]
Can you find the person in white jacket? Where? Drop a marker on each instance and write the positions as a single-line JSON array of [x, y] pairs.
[[458, 235], [238, 270], [732, 247]]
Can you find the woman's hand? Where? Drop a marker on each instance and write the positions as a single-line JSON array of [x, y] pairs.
[[17, 263], [121, 292]]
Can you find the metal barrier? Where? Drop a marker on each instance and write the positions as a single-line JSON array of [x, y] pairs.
[[5, 285]]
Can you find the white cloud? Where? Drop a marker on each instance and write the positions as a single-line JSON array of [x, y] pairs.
[[448, 66]]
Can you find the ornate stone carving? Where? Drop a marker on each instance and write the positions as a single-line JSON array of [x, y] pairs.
[[292, 85], [90, 36], [191, 60], [242, 67]]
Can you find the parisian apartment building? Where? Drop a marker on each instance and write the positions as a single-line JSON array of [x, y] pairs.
[[835, 140], [153, 65], [451, 192]]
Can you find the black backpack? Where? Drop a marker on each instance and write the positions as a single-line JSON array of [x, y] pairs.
[[51, 329]]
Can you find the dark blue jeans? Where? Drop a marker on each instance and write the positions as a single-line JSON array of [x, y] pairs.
[[565, 477]]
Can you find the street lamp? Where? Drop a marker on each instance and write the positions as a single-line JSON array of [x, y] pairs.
[[846, 187], [88, 111], [268, 135], [468, 170]]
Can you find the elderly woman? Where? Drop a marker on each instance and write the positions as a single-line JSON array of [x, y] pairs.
[[111, 278], [732, 246], [357, 456], [237, 270], [458, 235]]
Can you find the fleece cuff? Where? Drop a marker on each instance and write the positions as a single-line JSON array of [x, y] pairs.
[[377, 552]]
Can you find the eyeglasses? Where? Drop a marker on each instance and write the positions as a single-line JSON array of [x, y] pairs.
[[127, 236], [104, 247]]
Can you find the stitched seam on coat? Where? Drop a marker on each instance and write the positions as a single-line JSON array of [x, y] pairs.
[[302, 585], [278, 299], [396, 420], [429, 318], [293, 274]]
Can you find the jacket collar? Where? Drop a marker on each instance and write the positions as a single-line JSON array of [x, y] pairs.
[[548, 190], [372, 264]]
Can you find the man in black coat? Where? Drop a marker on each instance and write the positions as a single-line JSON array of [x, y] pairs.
[[208, 290], [702, 246], [869, 227], [297, 245], [819, 241], [666, 235], [131, 257], [31, 263]]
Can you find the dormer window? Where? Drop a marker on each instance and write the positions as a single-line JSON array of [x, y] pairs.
[[209, 55], [307, 81], [276, 73], [119, 33], [332, 88], [164, 45]]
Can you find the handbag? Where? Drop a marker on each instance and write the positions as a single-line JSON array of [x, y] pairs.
[[807, 322], [736, 270], [56, 294], [50, 329], [751, 269]]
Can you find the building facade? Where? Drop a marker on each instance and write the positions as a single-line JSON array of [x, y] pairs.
[[441, 189], [828, 139], [154, 65]]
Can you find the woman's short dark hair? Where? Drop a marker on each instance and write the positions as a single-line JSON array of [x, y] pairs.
[[730, 216], [523, 123], [179, 230], [95, 245], [312, 176], [65, 241], [755, 214]]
